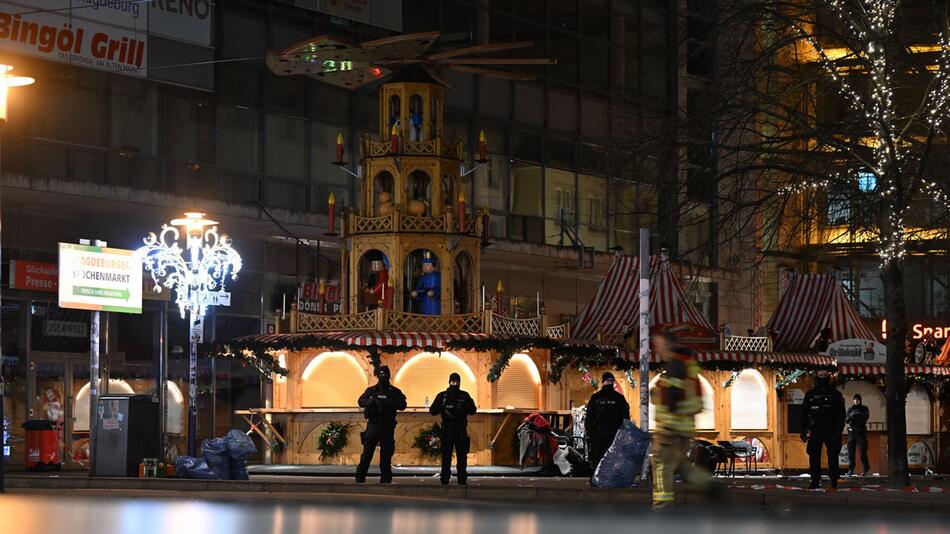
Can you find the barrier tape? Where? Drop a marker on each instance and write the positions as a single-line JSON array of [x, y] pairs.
[[874, 487]]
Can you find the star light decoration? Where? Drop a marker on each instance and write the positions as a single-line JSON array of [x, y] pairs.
[[871, 26], [210, 262]]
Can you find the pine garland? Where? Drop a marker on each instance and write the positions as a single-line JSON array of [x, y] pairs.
[[262, 356], [498, 366], [429, 441], [333, 439]]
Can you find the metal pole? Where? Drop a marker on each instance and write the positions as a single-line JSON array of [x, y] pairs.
[[3, 417], [162, 377], [644, 328], [93, 388], [193, 339]]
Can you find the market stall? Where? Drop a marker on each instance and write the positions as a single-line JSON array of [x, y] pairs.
[[813, 310]]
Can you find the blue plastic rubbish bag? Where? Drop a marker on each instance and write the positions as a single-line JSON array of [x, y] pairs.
[[240, 446], [191, 467], [238, 470], [624, 459], [215, 452]]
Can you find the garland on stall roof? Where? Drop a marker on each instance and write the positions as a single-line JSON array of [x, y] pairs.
[[630, 379], [936, 383], [785, 379], [585, 373], [498, 366], [732, 378], [262, 356], [265, 362]]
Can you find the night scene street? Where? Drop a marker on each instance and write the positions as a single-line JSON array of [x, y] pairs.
[[361, 266]]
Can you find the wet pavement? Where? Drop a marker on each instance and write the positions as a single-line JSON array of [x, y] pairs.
[[52, 514]]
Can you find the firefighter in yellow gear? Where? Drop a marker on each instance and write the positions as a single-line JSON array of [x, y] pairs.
[[678, 398]]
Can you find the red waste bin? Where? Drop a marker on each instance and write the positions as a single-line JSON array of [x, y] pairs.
[[42, 444]]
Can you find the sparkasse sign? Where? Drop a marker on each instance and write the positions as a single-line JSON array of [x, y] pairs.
[[99, 278]]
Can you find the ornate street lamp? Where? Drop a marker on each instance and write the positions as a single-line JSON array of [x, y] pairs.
[[196, 270]]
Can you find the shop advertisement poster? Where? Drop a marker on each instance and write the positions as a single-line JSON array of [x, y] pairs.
[[99, 278], [309, 300], [858, 351], [34, 276], [110, 35], [76, 329], [35, 29]]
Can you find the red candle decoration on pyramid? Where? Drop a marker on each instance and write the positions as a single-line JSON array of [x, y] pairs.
[[482, 146], [462, 221], [499, 297], [394, 139], [322, 292], [339, 148], [331, 214]]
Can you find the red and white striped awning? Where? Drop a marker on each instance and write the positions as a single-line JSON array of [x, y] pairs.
[[615, 308], [373, 338], [810, 303], [747, 357], [875, 370]]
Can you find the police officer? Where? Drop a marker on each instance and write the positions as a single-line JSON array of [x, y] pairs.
[[606, 411], [455, 406], [380, 404], [857, 420], [822, 424]]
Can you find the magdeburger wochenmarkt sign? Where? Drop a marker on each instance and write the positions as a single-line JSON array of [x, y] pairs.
[[99, 278]]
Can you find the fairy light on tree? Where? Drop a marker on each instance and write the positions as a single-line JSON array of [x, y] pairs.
[[812, 107], [192, 259], [900, 146]]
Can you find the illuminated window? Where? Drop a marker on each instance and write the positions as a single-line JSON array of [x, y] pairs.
[[174, 401], [917, 410], [838, 208], [750, 401], [332, 380], [706, 419], [867, 182], [427, 373], [81, 404], [520, 384]]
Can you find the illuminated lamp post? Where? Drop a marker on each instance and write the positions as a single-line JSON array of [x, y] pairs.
[[7, 81], [196, 271]]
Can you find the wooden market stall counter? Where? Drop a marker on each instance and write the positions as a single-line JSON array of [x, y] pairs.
[[492, 433]]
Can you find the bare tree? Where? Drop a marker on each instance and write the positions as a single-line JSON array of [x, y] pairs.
[[812, 103]]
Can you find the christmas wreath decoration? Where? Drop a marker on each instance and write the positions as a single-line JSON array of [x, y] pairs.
[[429, 441], [333, 439]]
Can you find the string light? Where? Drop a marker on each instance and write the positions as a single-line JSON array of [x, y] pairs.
[[869, 27]]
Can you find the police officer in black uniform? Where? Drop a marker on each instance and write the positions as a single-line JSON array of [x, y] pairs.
[[857, 420], [380, 404], [822, 425], [455, 406], [606, 411]]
